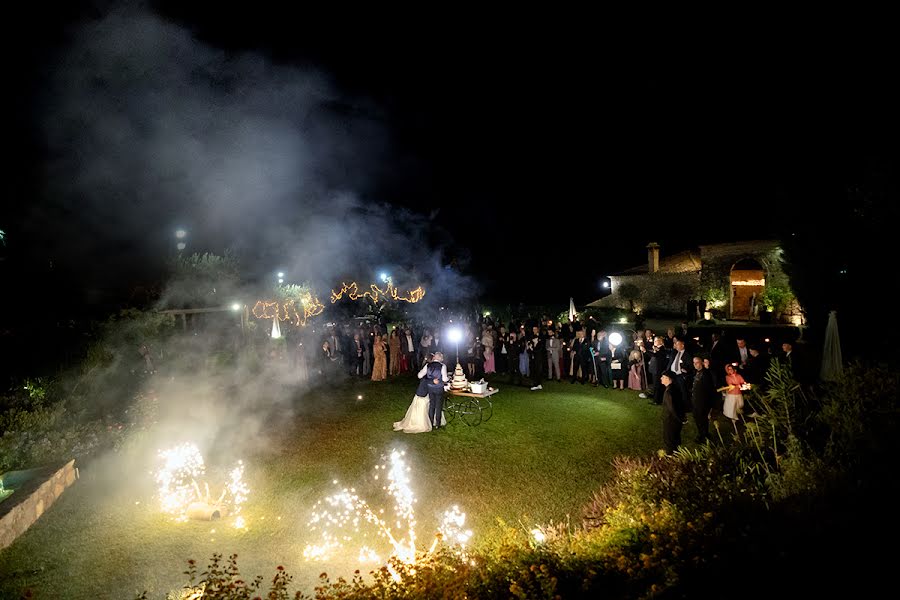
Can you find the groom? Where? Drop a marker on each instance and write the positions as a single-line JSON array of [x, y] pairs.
[[435, 374]]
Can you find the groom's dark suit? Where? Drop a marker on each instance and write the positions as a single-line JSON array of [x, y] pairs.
[[435, 373]]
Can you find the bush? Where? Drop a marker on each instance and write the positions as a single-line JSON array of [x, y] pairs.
[[860, 413], [42, 435], [605, 315]]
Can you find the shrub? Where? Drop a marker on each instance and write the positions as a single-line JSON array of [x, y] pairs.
[[605, 314], [776, 298], [42, 435], [860, 413]]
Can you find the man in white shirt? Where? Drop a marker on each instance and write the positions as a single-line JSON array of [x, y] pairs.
[[682, 366]]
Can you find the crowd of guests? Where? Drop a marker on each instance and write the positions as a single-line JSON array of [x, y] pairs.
[[683, 373]]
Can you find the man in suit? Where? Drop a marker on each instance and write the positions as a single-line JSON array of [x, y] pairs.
[[683, 366], [757, 367], [553, 347], [659, 362], [335, 345], [602, 359], [538, 358], [581, 357], [742, 356], [673, 411], [703, 396], [797, 361], [410, 347], [435, 372]]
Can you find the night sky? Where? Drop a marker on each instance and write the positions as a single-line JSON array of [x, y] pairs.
[[555, 148]]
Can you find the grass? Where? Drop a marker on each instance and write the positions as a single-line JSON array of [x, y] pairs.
[[538, 459]]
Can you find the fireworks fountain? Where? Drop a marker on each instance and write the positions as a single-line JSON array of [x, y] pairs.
[[340, 518], [180, 492]]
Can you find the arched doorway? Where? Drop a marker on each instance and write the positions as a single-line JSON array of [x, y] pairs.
[[748, 282]]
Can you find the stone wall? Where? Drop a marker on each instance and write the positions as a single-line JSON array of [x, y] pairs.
[[661, 292], [680, 279], [719, 259], [30, 499]]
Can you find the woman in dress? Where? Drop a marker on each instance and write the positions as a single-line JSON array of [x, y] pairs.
[[379, 369], [617, 368], [416, 419], [487, 342], [636, 370], [734, 399], [394, 345]]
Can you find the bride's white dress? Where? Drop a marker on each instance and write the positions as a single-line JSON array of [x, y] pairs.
[[416, 419]]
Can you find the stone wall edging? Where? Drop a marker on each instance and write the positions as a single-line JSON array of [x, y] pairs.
[[27, 511]]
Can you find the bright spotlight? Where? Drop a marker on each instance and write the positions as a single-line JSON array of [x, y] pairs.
[[454, 335], [280, 280], [384, 277], [235, 307], [538, 536], [615, 339], [606, 284], [280, 274], [180, 234], [181, 245]]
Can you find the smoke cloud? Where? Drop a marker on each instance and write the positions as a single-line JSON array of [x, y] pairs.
[[151, 130]]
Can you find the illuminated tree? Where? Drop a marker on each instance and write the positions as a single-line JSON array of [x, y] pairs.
[[629, 292]]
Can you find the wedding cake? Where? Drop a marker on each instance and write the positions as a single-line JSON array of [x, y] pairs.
[[459, 382]]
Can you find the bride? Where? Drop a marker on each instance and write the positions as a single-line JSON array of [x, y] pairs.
[[416, 419]]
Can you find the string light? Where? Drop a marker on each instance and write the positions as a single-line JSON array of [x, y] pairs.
[[287, 311], [375, 293], [311, 306], [753, 282]]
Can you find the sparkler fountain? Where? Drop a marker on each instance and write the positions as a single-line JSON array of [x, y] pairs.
[[340, 516], [180, 492]]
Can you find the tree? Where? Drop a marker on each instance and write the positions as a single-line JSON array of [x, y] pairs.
[[629, 292], [839, 258], [200, 280]]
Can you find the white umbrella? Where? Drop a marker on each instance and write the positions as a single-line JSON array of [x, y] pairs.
[[832, 363], [571, 310]]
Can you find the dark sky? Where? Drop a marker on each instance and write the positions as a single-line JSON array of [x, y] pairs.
[[555, 147]]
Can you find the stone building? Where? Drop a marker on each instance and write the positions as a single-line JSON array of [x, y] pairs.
[[737, 280]]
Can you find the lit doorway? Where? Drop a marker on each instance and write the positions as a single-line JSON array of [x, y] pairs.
[[748, 282]]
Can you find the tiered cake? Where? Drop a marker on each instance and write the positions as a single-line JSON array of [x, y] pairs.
[[459, 381]]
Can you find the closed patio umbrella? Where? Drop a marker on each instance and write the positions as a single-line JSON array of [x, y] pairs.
[[832, 363]]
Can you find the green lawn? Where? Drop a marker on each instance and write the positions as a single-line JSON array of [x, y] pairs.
[[538, 459]]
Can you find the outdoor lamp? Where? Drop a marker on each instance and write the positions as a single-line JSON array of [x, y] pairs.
[[454, 335]]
